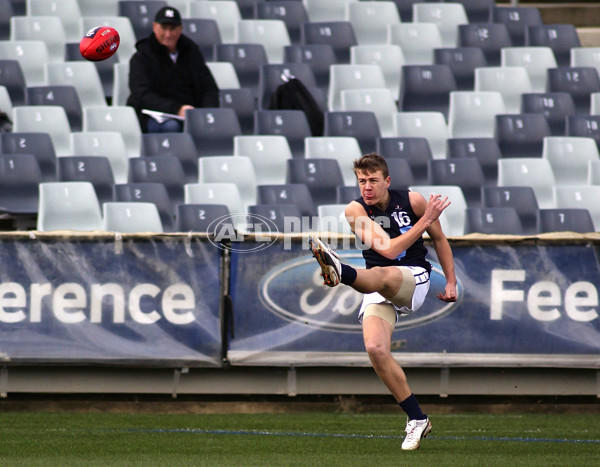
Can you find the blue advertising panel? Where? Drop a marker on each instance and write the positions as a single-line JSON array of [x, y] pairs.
[[151, 300], [513, 299]]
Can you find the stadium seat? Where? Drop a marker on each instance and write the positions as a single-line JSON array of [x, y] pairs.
[[149, 192], [380, 101], [48, 29], [203, 218], [569, 157], [478, 11], [535, 172], [318, 56], [180, 145], [464, 172], [103, 143], [247, 7], [120, 90], [361, 125], [20, 176], [593, 172], [13, 79], [83, 76], [426, 88], [116, 118], [370, 20], [344, 194], [343, 77], [580, 82], [595, 103], [579, 197], [332, 10], [430, 125], [38, 144], [225, 13], [473, 113], [125, 217], [564, 219], [453, 217], [224, 74], [6, 13], [292, 13], [230, 169], [322, 176], [344, 149], [339, 34], [243, 102], [485, 150], [205, 33], [217, 193], [585, 57], [212, 129], [521, 198], [94, 169], [297, 194], [292, 124], [584, 125], [521, 135], [462, 61], [284, 218], [561, 38], [511, 82], [141, 14], [447, 17], [167, 170], [497, 221], [536, 60], [388, 57], [331, 218], [65, 96], [268, 154], [489, 37], [51, 119], [67, 10], [415, 150], [68, 206], [32, 57], [105, 68], [417, 41], [517, 19], [5, 102], [400, 173], [272, 34], [271, 76], [555, 106], [246, 60]]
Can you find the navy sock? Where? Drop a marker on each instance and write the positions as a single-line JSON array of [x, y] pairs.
[[411, 406], [348, 274]]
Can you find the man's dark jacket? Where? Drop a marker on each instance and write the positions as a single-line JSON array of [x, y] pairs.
[[156, 83]]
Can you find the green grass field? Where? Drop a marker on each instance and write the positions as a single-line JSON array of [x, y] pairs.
[[307, 439]]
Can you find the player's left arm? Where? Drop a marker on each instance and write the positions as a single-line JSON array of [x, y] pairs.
[[442, 249]]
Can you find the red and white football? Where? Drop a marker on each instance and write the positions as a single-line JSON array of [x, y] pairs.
[[99, 43]]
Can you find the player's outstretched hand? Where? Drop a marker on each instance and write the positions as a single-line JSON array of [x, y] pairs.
[[449, 294], [435, 207]]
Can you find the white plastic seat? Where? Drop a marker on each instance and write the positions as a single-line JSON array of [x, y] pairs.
[[272, 34], [268, 154], [103, 143], [429, 125], [48, 29], [116, 118], [388, 57], [120, 90], [68, 206], [51, 119], [131, 217], [96, 8], [453, 217], [379, 101], [225, 12], [224, 74], [83, 76], [417, 41], [331, 218], [529, 171], [579, 197], [370, 20], [230, 169], [593, 172], [569, 157], [120, 23], [217, 193], [32, 57], [344, 76], [447, 16], [473, 113], [536, 60], [5, 101], [511, 82], [326, 10], [67, 10], [585, 57], [345, 149]]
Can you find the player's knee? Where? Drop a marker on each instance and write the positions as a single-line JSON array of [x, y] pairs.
[[376, 350]]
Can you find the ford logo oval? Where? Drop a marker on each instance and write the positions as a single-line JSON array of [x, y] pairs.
[[294, 291]]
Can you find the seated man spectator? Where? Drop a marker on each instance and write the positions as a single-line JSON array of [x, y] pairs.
[[168, 74]]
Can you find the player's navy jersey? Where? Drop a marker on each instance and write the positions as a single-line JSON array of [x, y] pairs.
[[397, 218]]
